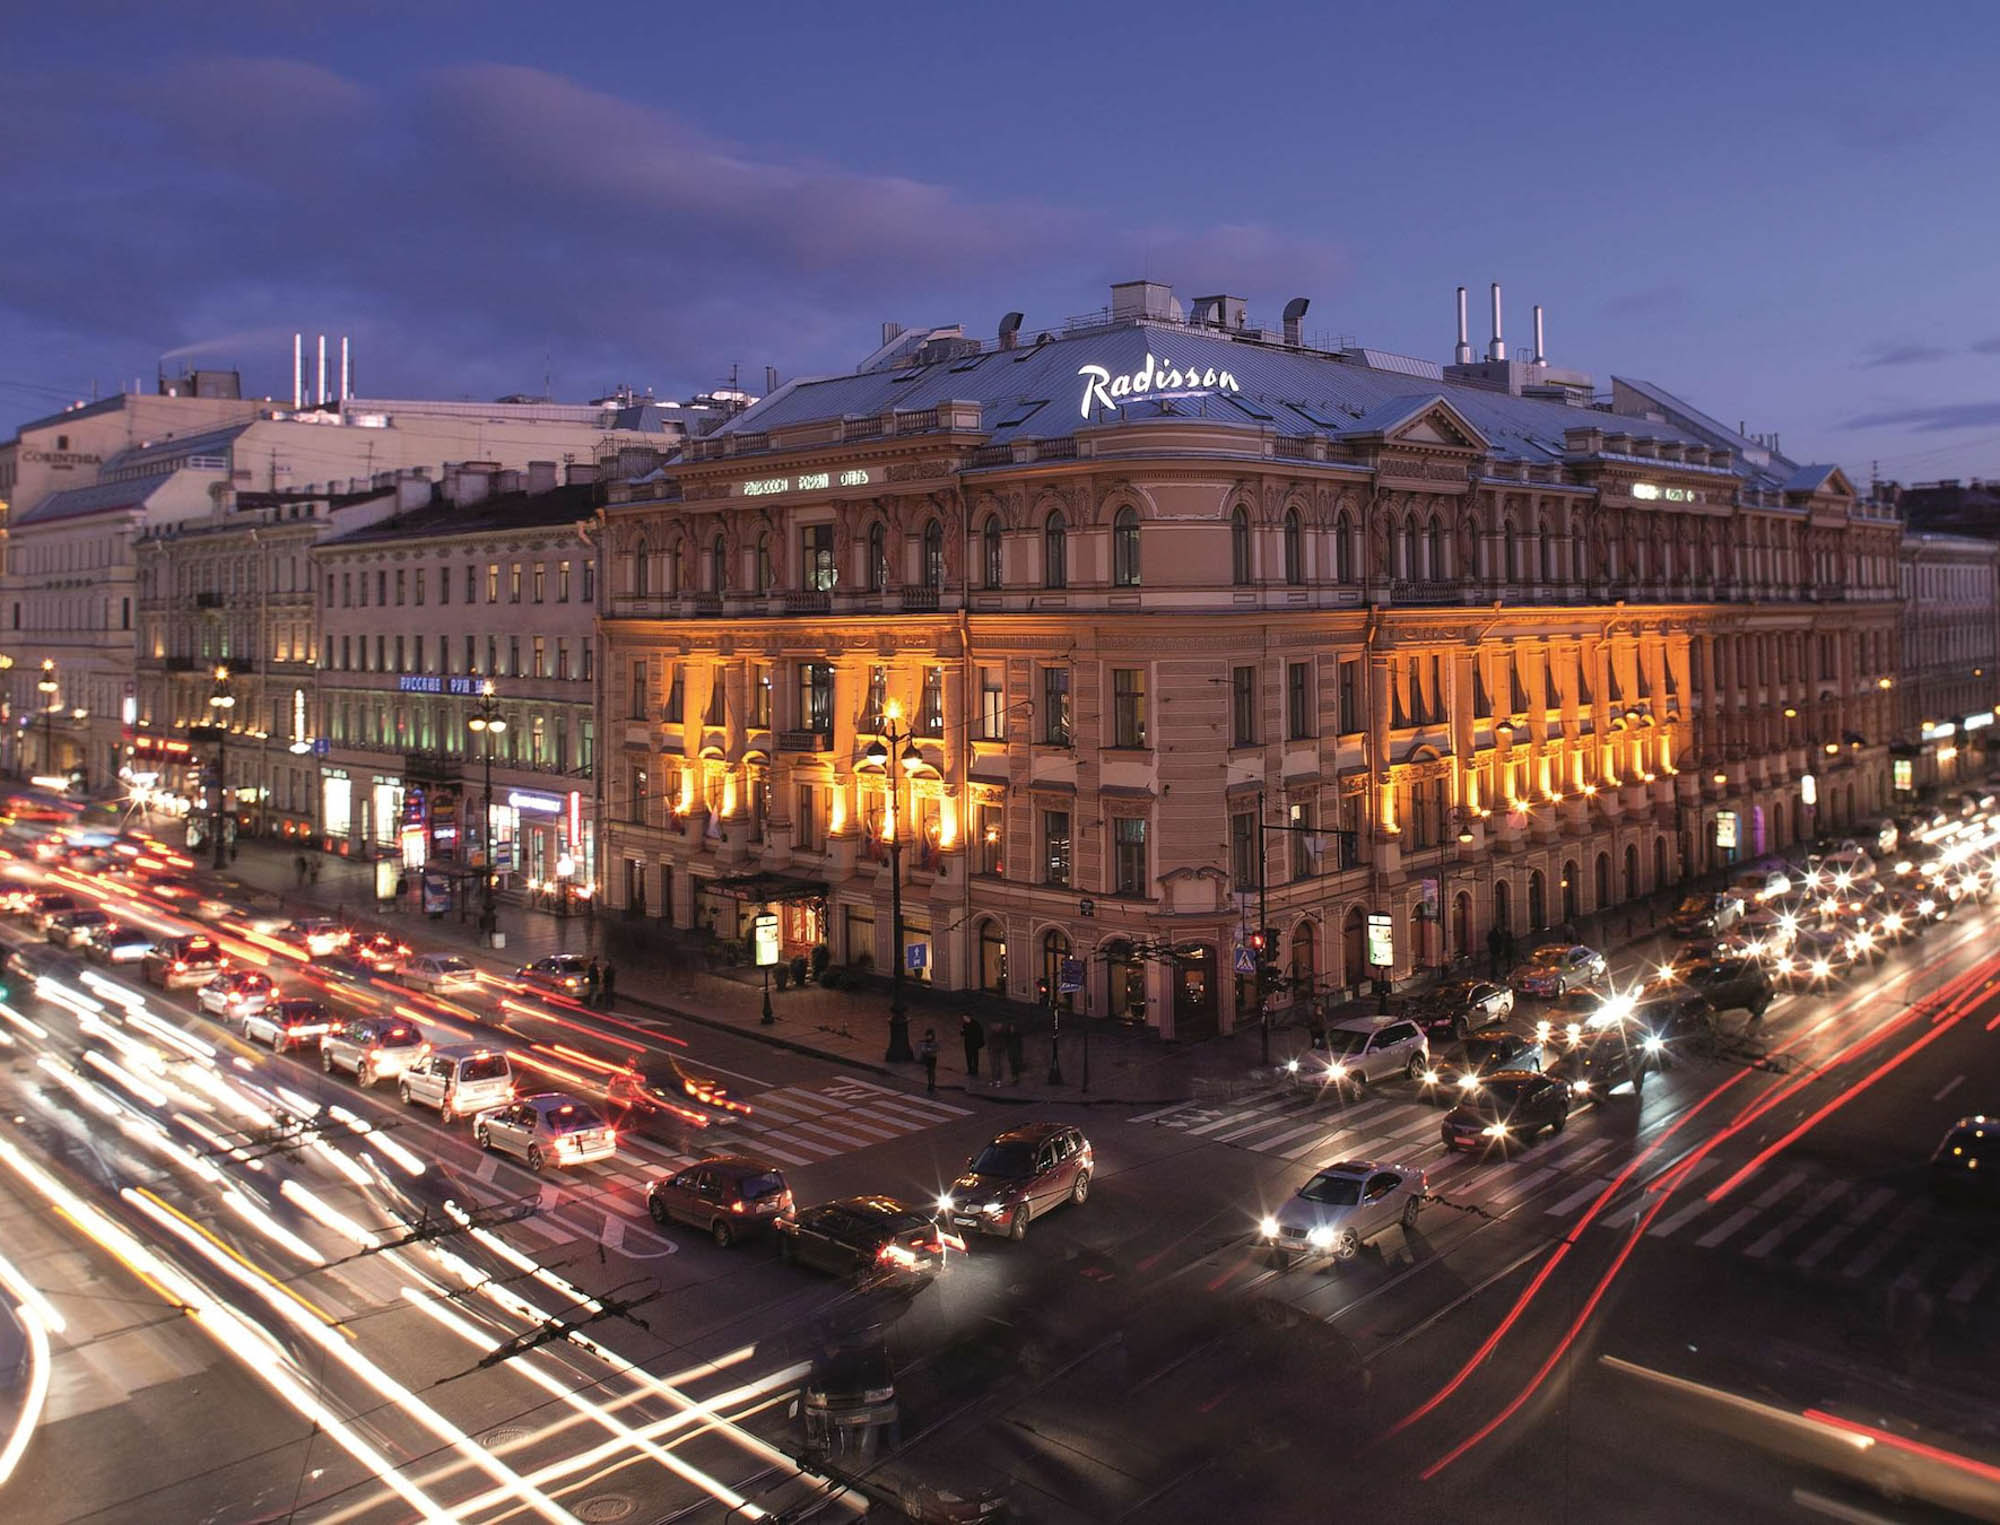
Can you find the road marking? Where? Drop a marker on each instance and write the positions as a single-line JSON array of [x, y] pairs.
[[1573, 1151], [1818, 1202], [1577, 1198], [1725, 1228], [1847, 1514], [1949, 1086], [488, 1169], [1967, 1286], [1525, 1183], [1279, 1120], [1272, 1145], [915, 1101], [1867, 1208], [1227, 1118], [1915, 1272], [613, 1237], [1632, 1211], [1155, 1116], [780, 1155], [1887, 1240]]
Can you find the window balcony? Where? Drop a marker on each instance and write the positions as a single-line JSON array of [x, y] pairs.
[[805, 741]]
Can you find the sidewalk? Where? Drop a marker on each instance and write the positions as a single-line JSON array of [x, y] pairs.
[[662, 972]]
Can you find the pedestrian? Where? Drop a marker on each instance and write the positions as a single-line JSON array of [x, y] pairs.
[[1014, 1049], [996, 1052], [973, 1035], [1567, 932], [592, 977], [312, 871], [1496, 942], [609, 988], [1316, 1024], [299, 864], [927, 1051]]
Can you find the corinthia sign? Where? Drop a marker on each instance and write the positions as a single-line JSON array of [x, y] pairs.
[[1156, 378]]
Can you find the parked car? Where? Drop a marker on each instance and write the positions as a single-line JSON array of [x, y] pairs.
[[190, 960], [116, 943], [1706, 915], [1456, 1007], [440, 973], [564, 972], [1726, 984], [370, 1048], [1510, 1107], [729, 1196], [1964, 1167], [876, 1240], [658, 1087], [234, 992], [317, 935], [1364, 1051], [69, 928], [1483, 1053], [551, 1128], [459, 1080], [1555, 968], [1340, 1209], [378, 951], [1017, 1177], [292, 1022]]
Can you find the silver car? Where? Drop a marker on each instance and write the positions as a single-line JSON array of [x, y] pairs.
[[549, 1129], [440, 973], [459, 1080], [1340, 1209], [1364, 1051], [372, 1048]]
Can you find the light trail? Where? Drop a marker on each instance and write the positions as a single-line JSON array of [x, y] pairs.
[[36, 1318]]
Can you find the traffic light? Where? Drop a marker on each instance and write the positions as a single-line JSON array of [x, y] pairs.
[[1264, 941]]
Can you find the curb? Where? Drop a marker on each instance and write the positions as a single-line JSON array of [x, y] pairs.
[[758, 1035]]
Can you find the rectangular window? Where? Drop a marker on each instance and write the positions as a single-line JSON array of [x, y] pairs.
[[760, 697], [816, 557], [381, 587], [420, 587], [472, 654], [1243, 706], [444, 585], [717, 695], [540, 657], [346, 654], [562, 583], [675, 712], [1350, 698], [1128, 706], [590, 582], [492, 656], [930, 707], [588, 669], [562, 657], [586, 748], [492, 582], [990, 843], [1305, 845], [402, 585], [541, 580], [638, 692], [471, 583], [1128, 855], [513, 656], [805, 820], [874, 707], [399, 655], [514, 583], [992, 704], [1055, 706], [1243, 850], [1055, 847], [1298, 700], [816, 697], [381, 653]]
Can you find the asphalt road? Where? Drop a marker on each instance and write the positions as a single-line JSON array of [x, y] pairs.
[[1624, 1321]]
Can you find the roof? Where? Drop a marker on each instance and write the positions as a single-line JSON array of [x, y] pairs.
[[496, 515], [1692, 417], [1809, 478], [208, 442], [99, 498]]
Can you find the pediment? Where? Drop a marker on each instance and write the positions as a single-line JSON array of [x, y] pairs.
[[1426, 420]]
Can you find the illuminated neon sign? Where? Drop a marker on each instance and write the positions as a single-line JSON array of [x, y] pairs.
[[1651, 491], [806, 481], [1156, 378]]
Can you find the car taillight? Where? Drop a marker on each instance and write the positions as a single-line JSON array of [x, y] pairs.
[[739, 1206], [893, 1254], [180, 964]]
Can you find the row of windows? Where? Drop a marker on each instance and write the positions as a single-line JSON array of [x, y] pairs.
[[536, 582], [76, 614], [544, 658], [535, 741]]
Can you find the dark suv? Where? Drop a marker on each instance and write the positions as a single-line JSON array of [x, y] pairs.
[[1727, 984], [1018, 1177], [729, 1196]]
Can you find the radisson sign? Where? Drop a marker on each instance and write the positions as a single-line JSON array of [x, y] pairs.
[[1156, 378], [806, 481]]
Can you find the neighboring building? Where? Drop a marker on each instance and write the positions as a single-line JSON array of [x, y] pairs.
[[494, 582], [1185, 618], [1950, 667], [1953, 507]]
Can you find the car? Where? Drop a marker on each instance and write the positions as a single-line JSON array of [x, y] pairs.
[[1818, 956], [874, 1240], [114, 942], [318, 935], [1761, 883], [1726, 984], [440, 973], [290, 1022], [1364, 1051], [1766, 932], [544, 1129], [1907, 914], [190, 960], [1017, 1177], [1555, 968], [44, 908], [1598, 1060], [1846, 864], [1966, 1164], [728, 1196], [1340, 1209], [370, 1048], [849, 1394], [563, 972], [458, 1079], [17, 901], [655, 1088], [1456, 1007], [1482, 1053], [234, 992], [70, 928], [1511, 1106], [379, 952], [1706, 915]]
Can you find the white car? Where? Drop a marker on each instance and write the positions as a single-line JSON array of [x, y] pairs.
[[289, 1023], [548, 1129], [458, 1080], [440, 973], [1364, 1051], [235, 993], [1341, 1208]]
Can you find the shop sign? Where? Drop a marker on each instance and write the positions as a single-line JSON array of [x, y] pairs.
[[1725, 829], [533, 803], [1156, 378], [764, 938], [1808, 789], [1939, 730], [575, 819], [1900, 773], [413, 683], [1980, 721], [807, 481], [1649, 492], [1381, 939]]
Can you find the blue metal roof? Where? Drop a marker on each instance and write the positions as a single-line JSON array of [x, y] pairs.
[[208, 442], [101, 497]]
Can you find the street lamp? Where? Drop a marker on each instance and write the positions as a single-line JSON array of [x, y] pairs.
[[48, 688], [878, 754], [221, 701], [487, 721]]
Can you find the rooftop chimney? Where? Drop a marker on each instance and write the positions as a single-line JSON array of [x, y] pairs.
[[1463, 354], [298, 371], [1295, 316], [346, 371], [1142, 299], [1497, 350], [322, 370], [1541, 358], [1010, 330], [541, 476]]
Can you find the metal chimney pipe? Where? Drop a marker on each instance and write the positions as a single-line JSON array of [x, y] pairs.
[[1463, 354], [298, 371], [322, 370], [1541, 358], [346, 372], [1497, 350]]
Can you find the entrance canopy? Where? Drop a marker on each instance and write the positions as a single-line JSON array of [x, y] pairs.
[[768, 889]]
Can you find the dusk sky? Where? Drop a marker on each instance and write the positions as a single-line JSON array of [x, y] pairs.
[[1783, 213]]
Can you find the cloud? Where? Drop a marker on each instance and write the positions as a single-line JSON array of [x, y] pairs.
[[1986, 346], [479, 224], [1936, 419], [1903, 354], [1666, 296]]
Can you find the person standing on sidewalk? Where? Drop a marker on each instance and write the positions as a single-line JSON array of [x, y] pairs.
[[609, 989], [592, 977], [927, 1051], [299, 863], [312, 871], [973, 1036], [1496, 940]]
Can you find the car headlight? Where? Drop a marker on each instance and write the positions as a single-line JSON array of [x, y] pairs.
[[994, 1207], [1468, 1082], [1430, 1077], [1292, 1066], [1927, 906], [1784, 965], [1495, 1130], [1268, 1227], [1321, 1238], [1665, 972], [1821, 968], [1653, 1043], [1581, 1087], [1336, 1071], [945, 1202]]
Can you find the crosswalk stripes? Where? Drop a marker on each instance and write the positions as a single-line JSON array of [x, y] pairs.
[[1630, 1214], [1878, 1250], [800, 1125], [1966, 1288], [1816, 1204], [1831, 1240], [1743, 1215]]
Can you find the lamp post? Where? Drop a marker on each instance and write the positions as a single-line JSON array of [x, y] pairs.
[[909, 760], [48, 687], [221, 701], [487, 722]]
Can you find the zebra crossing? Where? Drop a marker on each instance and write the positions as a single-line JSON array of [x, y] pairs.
[[1853, 1233], [801, 1125]]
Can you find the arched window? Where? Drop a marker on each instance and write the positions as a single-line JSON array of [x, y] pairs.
[[1125, 547], [934, 556], [766, 574], [718, 565], [1538, 917], [991, 556], [1343, 548], [1239, 548], [1631, 873], [1295, 548], [642, 569], [1659, 861], [1569, 889], [1548, 553], [1513, 545], [992, 957], [1406, 556], [1055, 948], [1124, 982], [1304, 966], [1055, 551], [878, 556], [1353, 947], [1603, 882], [1503, 905], [1579, 558], [1434, 566]]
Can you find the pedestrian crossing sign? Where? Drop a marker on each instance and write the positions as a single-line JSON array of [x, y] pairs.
[[1246, 960]]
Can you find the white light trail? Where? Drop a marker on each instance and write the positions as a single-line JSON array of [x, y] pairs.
[[379, 1139]]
